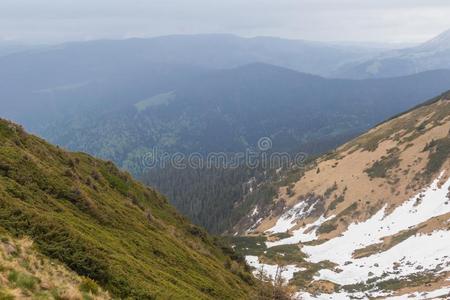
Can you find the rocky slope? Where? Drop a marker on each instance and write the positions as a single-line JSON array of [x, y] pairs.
[[97, 221], [369, 220]]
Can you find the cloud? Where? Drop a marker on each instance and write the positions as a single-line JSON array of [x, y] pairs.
[[368, 20]]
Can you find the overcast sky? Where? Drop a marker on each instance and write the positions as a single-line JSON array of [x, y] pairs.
[[43, 21]]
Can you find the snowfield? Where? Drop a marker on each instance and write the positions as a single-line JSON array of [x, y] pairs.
[[439, 294], [417, 253]]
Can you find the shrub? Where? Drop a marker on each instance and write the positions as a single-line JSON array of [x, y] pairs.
[[326, 227], [438, 155], [381, 167], [22, 281], [88, 285]]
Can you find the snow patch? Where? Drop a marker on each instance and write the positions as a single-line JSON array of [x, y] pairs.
[[255, 211], [287, 272], [289, 218], [305, 234]]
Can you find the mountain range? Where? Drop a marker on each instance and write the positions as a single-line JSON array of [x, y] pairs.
[[120, 100], [431, 55], [364, 215]]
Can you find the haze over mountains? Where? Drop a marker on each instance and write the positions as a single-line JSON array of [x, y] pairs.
[[431, 55], [119, 100], [369, 197]]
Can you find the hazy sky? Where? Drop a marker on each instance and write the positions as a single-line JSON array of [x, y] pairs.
[[326, 20]]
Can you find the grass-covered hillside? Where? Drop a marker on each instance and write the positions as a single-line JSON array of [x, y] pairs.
[[100, 223]]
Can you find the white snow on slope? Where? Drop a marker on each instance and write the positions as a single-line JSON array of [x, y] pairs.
[[416, 254], [434, 203], [305, 234], [442, 293], [334, 296], [423, 251], [271, 270], [254, 212], [289, 218]]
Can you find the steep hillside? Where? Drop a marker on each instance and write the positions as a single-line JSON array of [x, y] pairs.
[[101, 224], [370, 219], [26, 274], [431, 55]]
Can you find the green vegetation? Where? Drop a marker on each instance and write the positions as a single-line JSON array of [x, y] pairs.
[[439, 153], [22, 281], [327, 227], [5, 295], [105, 226], [303, 278], [336, 201], [247, 245], [331, 225], [381, 167], [287, 254], [330, 190], [214, 198], [281, 235], [88, 285]]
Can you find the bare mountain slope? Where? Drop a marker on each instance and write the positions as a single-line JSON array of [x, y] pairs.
[[370, 219]]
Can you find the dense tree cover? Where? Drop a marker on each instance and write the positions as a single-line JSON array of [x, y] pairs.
[[208, 196], [218, 198]]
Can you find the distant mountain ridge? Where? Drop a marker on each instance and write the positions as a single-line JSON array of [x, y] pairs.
[[96, 70], [230, 110], [111, 99], [431, 55]]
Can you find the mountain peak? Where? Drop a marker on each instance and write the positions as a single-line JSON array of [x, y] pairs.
[[438, 43]]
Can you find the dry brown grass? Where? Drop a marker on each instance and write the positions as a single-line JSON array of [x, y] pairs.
[[347, 169], [25, 274]]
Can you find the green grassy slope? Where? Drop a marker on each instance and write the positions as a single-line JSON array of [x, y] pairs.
[[95, 219]]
